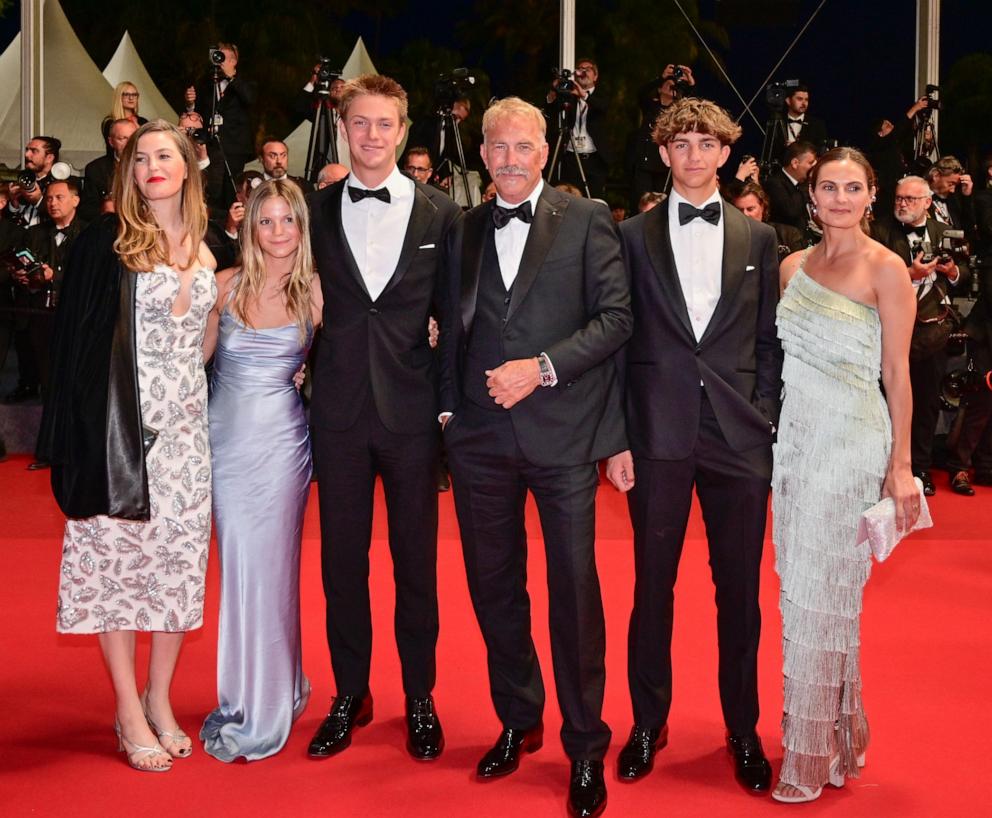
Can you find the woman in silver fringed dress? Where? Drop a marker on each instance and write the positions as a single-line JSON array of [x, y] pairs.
[[846, 316]]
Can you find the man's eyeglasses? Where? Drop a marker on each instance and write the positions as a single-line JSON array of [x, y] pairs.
[[909, 199], [412, 169]]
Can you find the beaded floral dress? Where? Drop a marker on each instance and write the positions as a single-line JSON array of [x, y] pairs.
[[149, 576], [830, 461]]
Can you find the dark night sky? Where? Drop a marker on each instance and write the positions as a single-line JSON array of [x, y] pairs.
[[857, 56]]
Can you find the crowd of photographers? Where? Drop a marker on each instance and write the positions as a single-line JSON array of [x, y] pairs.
[[928, 210]]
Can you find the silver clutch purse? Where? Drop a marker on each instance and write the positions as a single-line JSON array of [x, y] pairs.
[[877, 525]]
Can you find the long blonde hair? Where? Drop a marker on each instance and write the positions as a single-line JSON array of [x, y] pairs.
[[117, 109], [296, 289], [141, 243]]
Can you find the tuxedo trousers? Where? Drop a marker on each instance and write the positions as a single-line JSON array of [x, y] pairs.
[[347, 464], [925, 376], [491, 478], [732, 488]]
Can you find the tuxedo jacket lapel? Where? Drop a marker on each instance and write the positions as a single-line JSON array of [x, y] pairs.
[[658, 244], [421, 217], [551, 207], [736, 251], [332, 218], [474, 238]]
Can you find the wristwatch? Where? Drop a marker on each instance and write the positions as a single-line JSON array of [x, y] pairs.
[[547, 375]]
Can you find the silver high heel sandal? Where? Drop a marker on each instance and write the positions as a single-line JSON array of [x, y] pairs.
[[172, 737], [135, 753]]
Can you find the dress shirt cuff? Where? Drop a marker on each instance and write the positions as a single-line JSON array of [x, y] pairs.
[[441, 417], [957, 277], [230, 235], [308, 87], [203, 164], [551, 366]]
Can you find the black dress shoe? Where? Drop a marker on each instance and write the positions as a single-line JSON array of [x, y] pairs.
[[38, 465], [929, 489], [982, 478], [334, 733], [586, 789], [425, 739], [751, 768], [637, 756], [504, 757], [21, 394], [960, 484]]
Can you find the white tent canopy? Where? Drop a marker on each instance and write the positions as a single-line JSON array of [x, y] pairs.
[[76, 95], [126, 66], [299, 140]]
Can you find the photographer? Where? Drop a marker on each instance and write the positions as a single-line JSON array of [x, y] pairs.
[[917, 240], [98, 177], [799, 126], [788, 190], [952, 187], [310, 99], [36, 290], [26, 196], [890, 148], [655, 96], [586, 113], [230, 98]]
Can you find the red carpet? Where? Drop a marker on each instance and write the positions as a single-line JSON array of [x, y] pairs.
[[926, 660]]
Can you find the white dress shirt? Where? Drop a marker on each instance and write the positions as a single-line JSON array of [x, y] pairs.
[[698, 251], [511, 239], [375, 230], [795, 127], [580, 133]]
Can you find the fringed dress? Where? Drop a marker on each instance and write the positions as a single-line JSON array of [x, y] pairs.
[[830, 461]]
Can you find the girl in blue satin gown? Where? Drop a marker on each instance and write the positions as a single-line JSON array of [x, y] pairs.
[[260, 450]]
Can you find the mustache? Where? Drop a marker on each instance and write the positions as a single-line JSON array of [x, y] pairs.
[[511, 170]]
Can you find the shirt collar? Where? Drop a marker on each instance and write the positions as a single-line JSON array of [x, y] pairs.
[[398, 185], [535, 194], [676, 199]]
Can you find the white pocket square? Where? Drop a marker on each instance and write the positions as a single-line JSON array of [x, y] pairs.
[[749, 268], [426, 247]]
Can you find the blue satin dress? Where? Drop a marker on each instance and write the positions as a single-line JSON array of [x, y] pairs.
[[260, 448]]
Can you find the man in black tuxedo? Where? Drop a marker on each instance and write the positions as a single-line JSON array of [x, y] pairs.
[[786, 187], [952, 187], [274, 156], [539, 304], [910, 235], [379, 241], [235, 131], [702, 374], [799, 125], [586, 112], [98, 176]]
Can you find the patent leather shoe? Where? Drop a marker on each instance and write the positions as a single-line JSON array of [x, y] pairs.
[[637, 756], [425, 738], [38, 465], [751, 768], [504, 757], [334, 733], [586, 790], [960, 484], [929, 489]]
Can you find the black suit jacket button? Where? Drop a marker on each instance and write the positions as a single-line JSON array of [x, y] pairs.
[[699, 350], [373, 311]]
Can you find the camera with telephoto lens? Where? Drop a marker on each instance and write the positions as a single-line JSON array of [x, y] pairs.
[[776, 92], [200, 136], [932, 95], [953, 247], [325, 75], [216, 56], [27, 180], [449, 88], [22, 263], [681, 79], [964, 380]]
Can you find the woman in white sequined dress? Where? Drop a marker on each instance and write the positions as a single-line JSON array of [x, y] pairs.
[[140, 566], [845, 318]]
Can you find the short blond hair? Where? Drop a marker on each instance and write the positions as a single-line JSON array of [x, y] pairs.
[[509, 108], [692, 115], [373, 85]]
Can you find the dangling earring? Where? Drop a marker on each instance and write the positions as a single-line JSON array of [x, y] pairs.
[[813, 207]]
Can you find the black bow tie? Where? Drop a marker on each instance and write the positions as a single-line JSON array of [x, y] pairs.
[[502, 216], [359, 193], [800, 120], [909, 228], [710, 213]]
